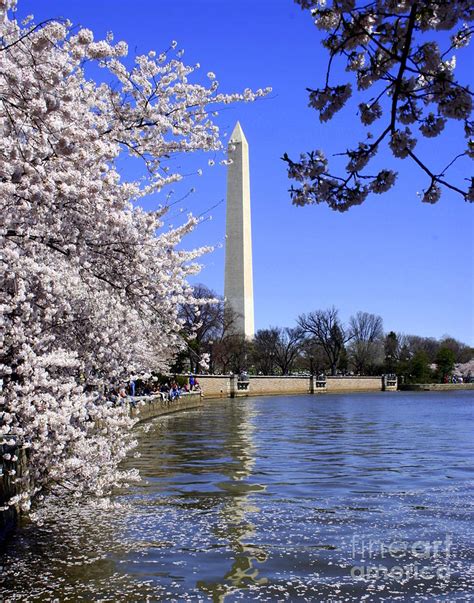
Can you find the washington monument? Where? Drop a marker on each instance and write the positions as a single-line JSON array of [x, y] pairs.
[[238, 289]]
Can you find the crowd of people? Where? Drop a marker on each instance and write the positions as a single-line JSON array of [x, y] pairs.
[[148, 385], [458, 378]]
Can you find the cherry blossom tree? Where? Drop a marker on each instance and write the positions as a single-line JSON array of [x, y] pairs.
[[92, 283], [413, 92]]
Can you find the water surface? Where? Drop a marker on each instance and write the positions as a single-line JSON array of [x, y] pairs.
[[300, 498]]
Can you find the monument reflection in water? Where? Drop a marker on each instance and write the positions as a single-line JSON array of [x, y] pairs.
[[234, 525]]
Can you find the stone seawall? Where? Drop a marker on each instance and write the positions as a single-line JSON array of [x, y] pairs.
[[436, 387], [262, 385], [354, 384], [150, 407], [214, 386], [223, 386]]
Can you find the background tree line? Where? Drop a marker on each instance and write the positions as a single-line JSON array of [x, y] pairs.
[[319, 343]]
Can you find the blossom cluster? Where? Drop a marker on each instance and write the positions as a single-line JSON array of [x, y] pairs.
[[385, 44], [92, 283], [329, 100], [319, 186]]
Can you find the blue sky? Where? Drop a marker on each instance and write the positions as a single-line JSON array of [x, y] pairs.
[[410, 262]]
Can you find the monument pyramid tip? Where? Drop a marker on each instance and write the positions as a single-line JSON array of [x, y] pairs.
[[238, 134]]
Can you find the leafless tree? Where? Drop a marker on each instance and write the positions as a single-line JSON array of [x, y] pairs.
[[428, 345], [366, 347], [264, 350], [203, 322], [288, 347], [229, 351], [312, 358], [462, 352], [327, 330], [277, 347]]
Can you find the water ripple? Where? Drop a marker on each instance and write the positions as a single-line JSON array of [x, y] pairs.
[[296, 498]]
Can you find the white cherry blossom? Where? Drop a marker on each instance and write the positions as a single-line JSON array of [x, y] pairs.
[[388, 46], [91, 283]]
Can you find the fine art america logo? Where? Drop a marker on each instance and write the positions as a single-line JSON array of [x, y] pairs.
[[400, 560]]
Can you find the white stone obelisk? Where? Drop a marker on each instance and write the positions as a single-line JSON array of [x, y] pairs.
[[238, 290]]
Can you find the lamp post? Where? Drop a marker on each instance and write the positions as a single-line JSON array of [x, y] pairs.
[[389, 364], [211, 370], [272, 356]]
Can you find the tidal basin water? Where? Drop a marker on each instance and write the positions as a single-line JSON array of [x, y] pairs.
[[357, 497]]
